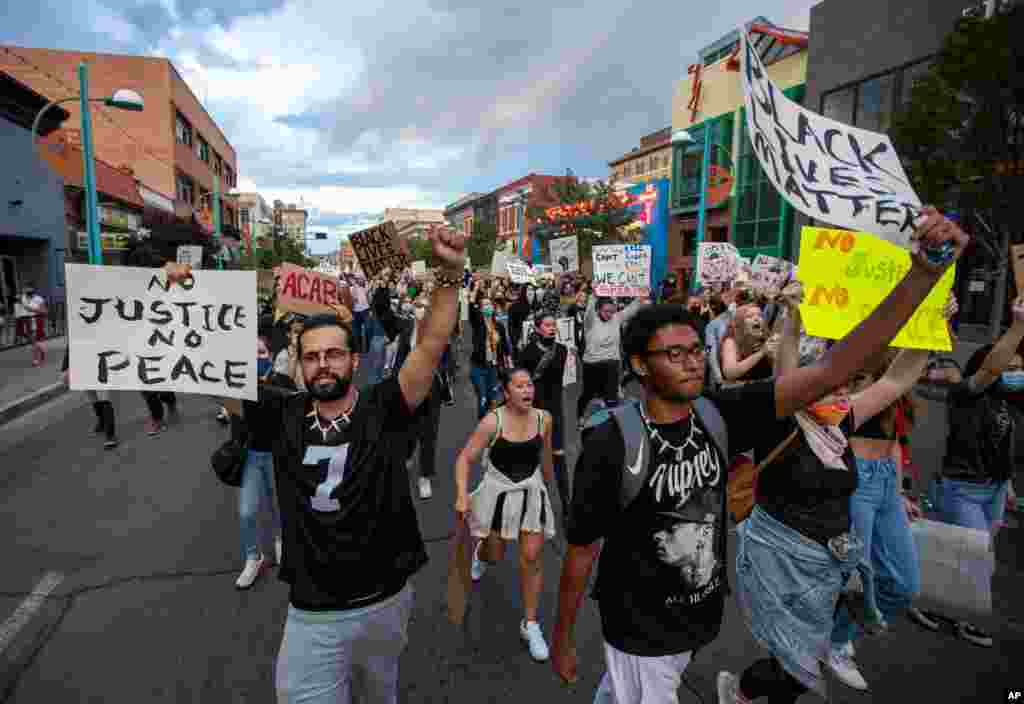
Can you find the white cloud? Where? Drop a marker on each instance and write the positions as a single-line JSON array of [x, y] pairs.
[[106, 21]]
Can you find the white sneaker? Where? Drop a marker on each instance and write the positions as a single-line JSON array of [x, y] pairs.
[[278, 550], [425, 491], [534, 638], [729, 689], [252, 570], [841, 662], [479, 567]]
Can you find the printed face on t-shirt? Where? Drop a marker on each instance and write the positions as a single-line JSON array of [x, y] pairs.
[[690, 547]]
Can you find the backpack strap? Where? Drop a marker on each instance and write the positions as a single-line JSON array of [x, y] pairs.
[[636, 459], [715, 424]]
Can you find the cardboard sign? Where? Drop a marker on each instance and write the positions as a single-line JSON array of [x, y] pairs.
[[847, 274], [419, 268], [770, 272], [190, 254], [1017, 257], [717, 263], [378, 248], [845, 176], [306, 292], [622, 270], [128, 330], [519, 272], [565, 254]]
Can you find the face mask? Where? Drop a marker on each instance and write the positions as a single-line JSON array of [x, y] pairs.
[[831, 413], [1012, 381], [501, 316], [263, 366], [488, 311]]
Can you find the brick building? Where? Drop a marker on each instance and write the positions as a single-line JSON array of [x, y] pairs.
[[650, 161], [413, 223], [174, 147], [291, 221]]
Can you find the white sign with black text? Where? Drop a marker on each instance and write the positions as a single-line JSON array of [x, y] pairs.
[[565, 254], [837, 174], [622, 270]]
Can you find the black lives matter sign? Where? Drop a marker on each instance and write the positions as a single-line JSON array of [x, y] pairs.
[[378, 248], [130, 330]]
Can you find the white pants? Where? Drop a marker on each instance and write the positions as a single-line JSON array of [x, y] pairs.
[[635, 679]]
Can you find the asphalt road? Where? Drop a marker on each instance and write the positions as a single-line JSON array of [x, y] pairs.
[[133, 554]]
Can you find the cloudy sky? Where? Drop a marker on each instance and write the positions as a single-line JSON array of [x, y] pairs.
[[355, 107]]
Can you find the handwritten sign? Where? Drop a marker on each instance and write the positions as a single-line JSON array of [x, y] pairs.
[[717, 263], [622, 270], [306, 292], [190, 254], [847, 274], [129, 331], [378, 248], [498, 264], [518, 271], [565, 254], [770, 272], [845, 176]]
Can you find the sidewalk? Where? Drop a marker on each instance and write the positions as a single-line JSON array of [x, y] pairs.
[[24, 387]]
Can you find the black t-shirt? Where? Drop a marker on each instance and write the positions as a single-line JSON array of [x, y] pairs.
[[662, 578], [262, 420], [349, 526], [547, 388], [983, 434], [796, 488]]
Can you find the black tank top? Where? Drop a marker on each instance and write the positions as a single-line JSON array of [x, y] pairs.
[[517, 460]]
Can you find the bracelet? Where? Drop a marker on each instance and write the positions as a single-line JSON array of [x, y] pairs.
[[446, 280]]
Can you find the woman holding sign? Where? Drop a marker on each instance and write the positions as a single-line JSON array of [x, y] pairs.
[[799, 543]]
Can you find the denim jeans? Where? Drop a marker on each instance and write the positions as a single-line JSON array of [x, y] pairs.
[[375, 358], [889, 567], [359, 329], [972, 505], [485, 383], [257, 485]]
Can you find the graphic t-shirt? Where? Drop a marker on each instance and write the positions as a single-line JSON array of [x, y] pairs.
[[349, 526], [662, 576]]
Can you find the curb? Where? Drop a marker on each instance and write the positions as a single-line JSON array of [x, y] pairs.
[[23, 405]]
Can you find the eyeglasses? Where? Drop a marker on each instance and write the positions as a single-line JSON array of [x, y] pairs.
[[333, 357], [675, 353]]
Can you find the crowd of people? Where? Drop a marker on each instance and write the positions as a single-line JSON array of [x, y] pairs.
[[731, 393]]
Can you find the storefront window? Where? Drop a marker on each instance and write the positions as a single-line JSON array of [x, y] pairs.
[[690, 155], [756, 221], [874, 104], [911, 74]]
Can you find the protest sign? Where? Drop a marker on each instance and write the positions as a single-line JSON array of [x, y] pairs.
[[622, 270], [565, 333], [543, 269], [846, 275], [190, 254], [565, 254], [378, 248], [519, 271], [419, 268], [306, 292], [770, 272], [837, 174], [129, 330], [498, 264], [717, 263]]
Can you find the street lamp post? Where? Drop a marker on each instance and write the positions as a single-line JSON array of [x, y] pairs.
[[122, 99]]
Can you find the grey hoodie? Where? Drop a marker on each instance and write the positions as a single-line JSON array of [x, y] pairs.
[[604, 339]]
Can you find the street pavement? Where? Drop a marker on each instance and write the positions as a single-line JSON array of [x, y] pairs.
[[133, 554]]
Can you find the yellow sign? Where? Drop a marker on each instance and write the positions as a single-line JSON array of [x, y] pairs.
[[847, 274]]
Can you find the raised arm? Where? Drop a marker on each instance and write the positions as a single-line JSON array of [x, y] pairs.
[[417, 372], [1002, 352], [805, 385], [787, 357]]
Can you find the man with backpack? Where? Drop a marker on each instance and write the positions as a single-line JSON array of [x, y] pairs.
[[660, 589]]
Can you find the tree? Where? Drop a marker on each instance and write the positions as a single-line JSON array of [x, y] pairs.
[[593, 212], [421, 249], [962, 134], [482, 243], [282, 250]]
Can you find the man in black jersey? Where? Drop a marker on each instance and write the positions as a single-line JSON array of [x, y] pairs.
[[350, 534]]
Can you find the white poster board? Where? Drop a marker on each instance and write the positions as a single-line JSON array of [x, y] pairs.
[[569, 376], [190, 254], [565, 334], [622, 270], [565, 254], [498, 264], [129, 331], [717, 263], [518, 271], [771, 272], [837, 174], [419, 268]]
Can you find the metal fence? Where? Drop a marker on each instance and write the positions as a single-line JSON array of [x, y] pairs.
[[15, 332]]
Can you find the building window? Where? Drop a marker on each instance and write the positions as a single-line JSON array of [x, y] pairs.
[[874, 104], [186, 189], [182, 130], [244, 216], [690, 155], [758, 207], [229, 176], [716, 56], [202, 149], [838, 106]]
